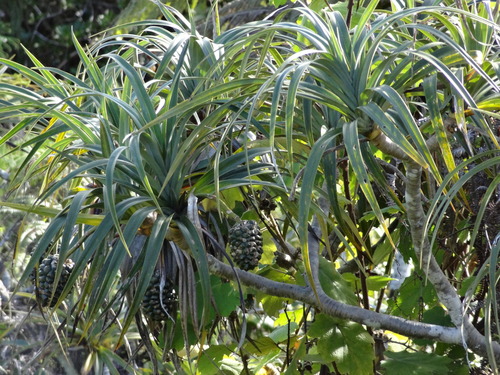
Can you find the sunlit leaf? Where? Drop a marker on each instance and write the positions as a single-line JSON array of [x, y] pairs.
[[348, 344], [415, 363]]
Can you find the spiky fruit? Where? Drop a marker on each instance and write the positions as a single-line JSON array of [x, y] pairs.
[[151, 305], [46, 276], [245, 243]]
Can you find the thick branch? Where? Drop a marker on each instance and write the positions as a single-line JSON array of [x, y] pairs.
[[337, 309], [445, 291], [416, 218], [382, 142]]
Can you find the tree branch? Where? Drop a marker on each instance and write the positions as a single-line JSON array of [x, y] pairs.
[[337, 309], [416, 218]]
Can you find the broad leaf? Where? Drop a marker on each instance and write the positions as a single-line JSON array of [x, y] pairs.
[[347, 344], [415, 363]]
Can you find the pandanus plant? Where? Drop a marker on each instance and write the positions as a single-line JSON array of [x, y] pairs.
[[141, 144], [398, 115]]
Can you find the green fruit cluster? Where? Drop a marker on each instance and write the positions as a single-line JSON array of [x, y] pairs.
[[159, 303], [245, 243], [47, 293]]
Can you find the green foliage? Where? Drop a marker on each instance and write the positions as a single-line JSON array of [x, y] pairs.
[[225, 297], [334, 284], [210, 357], [413, 295]]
